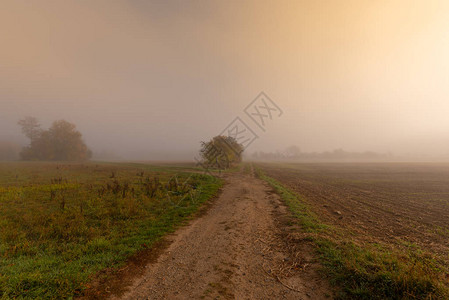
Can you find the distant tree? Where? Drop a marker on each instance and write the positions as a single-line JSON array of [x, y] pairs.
[[30, 127], [61, 142], [67, 142], [221, 152]]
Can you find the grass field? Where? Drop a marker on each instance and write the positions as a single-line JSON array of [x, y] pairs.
[[62, 223], [381, 230]]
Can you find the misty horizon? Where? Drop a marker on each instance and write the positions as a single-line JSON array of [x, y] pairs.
[[149, 80]]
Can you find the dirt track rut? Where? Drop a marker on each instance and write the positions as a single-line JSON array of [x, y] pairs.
[[235, 251]]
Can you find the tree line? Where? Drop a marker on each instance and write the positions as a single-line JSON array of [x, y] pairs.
[[295, 153]]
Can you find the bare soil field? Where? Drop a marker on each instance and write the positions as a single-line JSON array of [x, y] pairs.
[[389, 202], [403, 206]]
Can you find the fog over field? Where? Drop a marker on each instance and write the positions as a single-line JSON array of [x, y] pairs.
[[148, 80]]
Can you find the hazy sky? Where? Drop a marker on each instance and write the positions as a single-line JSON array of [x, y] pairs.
[[150, 79]]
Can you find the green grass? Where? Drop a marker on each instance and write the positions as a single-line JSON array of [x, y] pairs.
[[366, 270], [308, 220], [62, 223]]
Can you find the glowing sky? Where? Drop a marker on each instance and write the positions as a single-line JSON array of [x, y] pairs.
[[150, 79]]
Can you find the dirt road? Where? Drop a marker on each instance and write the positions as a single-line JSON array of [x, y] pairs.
[[240, 249]]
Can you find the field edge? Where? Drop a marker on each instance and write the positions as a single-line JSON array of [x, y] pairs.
[[115, 281], [363, 271]]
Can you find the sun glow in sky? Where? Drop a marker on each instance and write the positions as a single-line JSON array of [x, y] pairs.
[[143, 77]]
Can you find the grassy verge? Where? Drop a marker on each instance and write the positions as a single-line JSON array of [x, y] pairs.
[[366, 270], [61, 224]]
